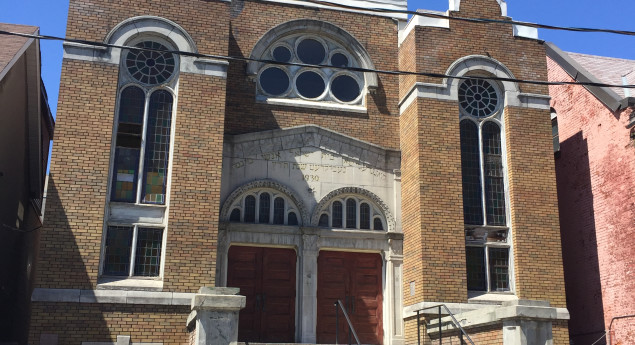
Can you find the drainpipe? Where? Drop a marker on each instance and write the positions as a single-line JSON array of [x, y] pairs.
[[609, 334]]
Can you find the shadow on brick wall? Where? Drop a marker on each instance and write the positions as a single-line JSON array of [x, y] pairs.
[[579, 242], [60, 265]]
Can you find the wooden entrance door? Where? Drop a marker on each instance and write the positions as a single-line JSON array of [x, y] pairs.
[[356, 280], [267, 277]]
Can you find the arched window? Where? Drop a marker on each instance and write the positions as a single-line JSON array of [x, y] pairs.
[[145, 77], [292, 219], [265, 206], [278, 211], [235, 216], [351, 212], [337, 214], [141, 156], [483, 177], [364, 216], [250, 209]]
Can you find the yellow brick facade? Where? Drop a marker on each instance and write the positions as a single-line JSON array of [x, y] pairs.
[[210, 111]]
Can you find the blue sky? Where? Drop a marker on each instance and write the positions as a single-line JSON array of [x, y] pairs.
[[50, 16]]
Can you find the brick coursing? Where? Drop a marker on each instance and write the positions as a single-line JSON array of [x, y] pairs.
[[595, 172]]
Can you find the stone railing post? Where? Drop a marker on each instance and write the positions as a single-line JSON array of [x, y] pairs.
[[214, 316]]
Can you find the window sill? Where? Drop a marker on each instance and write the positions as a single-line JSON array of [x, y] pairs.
[[312, 104], [121, 212], [480, 297], [133, 283]]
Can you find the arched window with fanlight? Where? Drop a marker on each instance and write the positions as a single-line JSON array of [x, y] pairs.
[[144, 125], [264, 206], [351, 212], [484, 191], [148, 75]]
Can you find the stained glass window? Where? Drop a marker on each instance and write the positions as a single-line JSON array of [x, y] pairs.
[[493, 168], [128, 145], [148, 253], [150, 66], [235, 215], [324, 221], [337, 214], [118, 248], [264, 208], [157, 147], [364, 216], [499, 269], [471, 173], [475, 262], [278, 211], [378, 224], [250, 209], [292, 219], [351, 214]]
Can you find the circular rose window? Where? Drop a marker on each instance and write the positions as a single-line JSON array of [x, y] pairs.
[[478, 97], [150, 66]]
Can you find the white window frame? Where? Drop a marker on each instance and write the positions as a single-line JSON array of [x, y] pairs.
[[497, 118], [327, 100], [171, 85], [133, 250]]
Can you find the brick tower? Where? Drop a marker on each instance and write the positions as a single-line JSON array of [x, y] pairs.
[[299, 184]]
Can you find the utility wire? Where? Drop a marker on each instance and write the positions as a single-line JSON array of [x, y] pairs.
[[466, 19], [602, 337], [356, 69], [9, 227]]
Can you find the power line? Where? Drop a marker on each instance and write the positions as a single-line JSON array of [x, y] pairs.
[[471, 20], [273, 62]]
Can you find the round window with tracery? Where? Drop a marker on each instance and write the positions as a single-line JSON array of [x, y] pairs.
[[150, 67], [478, 97]]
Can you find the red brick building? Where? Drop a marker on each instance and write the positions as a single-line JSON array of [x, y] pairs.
[[595, 166], [300, 173]]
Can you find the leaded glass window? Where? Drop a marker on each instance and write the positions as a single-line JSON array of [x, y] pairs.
[[144, 126], [157, 149], [483, 181], [493, 170], [278, 211], [325, 84], [148, 253], [264, 208], [337, 214], [123, 259], [364, 216], [250, 209], [351, 214], [235, 215], [471, 173], [118, 249]]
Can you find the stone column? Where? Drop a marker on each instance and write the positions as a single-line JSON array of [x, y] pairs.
[[308, 280], [214, 316], [394, 305], [221, 255]]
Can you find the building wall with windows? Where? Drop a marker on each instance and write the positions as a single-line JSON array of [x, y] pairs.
[[300, 184], [594, 166]]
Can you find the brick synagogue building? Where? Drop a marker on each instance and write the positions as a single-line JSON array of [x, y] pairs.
[[176, 174]]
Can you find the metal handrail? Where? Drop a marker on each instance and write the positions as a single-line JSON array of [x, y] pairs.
[[350, 325], [454, 320]]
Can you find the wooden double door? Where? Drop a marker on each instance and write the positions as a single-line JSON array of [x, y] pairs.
[[356, 280], [267, 277]]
